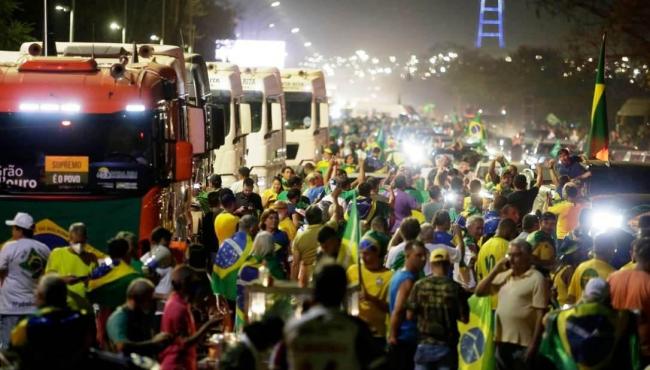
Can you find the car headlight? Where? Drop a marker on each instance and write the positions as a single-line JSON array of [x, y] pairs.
[[602, 221]]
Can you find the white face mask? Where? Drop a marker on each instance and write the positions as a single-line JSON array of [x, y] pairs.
[[76, 248]]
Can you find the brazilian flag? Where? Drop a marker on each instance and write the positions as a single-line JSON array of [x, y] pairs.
[[349, 252], [476, 344], [599, 133], [476, 131], [590, 336], [108, 284]]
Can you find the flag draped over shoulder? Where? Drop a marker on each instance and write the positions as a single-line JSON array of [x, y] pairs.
[[476, 344], [599, 133], [108, 284], [231, 256], [349, 252]]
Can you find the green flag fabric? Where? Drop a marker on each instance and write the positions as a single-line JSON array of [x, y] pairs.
[[349, 252], [599, 133], [556, 149], [476, 344]]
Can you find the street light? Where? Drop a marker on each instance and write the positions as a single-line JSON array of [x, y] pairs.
[[68, 9], [154, 38], [271, 25], [115, 26], [275, 4], [295, 30], [307, 44]]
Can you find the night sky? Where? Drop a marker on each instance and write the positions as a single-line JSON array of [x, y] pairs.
[[389, 27]]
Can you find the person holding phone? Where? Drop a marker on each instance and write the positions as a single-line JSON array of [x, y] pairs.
[[523, 299]]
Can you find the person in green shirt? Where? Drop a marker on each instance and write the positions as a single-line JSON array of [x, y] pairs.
[[132, 256]]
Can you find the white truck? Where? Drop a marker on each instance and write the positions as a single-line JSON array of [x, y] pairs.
[[307, 115], [226, 100], [263, 105]]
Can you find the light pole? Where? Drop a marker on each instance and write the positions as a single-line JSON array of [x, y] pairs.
[[70, 10], [114, 26]]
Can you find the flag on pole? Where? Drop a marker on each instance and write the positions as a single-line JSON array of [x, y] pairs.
[[599, 133], [349, 252], [476, 130], [476, 344]]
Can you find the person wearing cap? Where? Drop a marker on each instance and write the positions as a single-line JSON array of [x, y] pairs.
[[286, 223], [522, 299], [598, 266], [243, 174], [436, 303], [570, 166], [544, 243], [22, 262], [569, 258], [374, 283], [225, 224], [590, 334], [326, 162]]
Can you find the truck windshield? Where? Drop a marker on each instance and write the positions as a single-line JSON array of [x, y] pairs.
[[255, 100], [78, 153], [298, 110]]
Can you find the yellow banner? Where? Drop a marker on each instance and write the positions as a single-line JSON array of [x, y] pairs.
[[66, 164]]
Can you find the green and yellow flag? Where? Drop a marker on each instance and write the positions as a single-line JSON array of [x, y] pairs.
[[349, 252], [476, 344], [476, 131], [599, 133]]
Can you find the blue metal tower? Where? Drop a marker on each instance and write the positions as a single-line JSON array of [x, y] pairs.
[[490, 22]]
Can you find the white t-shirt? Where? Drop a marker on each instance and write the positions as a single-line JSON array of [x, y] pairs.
[[454, 254], [24, 260], [471, 283]]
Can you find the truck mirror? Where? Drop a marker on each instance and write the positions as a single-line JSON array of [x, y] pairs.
[[217, 128], [183, 167], [324, 115], [276, 117], [196, 118], [245, 118]]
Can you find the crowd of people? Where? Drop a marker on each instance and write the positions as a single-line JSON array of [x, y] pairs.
[[428, 242]]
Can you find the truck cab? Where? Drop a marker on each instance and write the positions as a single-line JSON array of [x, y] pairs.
[[263, 105], [226, 99], [307, 115]]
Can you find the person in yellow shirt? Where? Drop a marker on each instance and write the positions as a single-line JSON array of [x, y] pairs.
[[226, 223], [270, 195], [543, 243], [305, 247], [74, 263], [493, 250], [375, 280], [598, 266], [567, 211], [286, 223], [569, 258]]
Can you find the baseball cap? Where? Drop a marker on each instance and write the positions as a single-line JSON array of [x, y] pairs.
[[22, 220], [374, 239], [439, 255], [328, 151]]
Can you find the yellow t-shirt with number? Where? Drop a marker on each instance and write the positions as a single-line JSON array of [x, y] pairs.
[[587, 270], [490, 253], [375, 284]]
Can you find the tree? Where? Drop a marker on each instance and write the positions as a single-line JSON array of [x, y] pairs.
[[14, 32], [625, 21]]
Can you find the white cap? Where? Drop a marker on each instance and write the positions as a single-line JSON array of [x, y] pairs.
[[22, 220], [596, 290]]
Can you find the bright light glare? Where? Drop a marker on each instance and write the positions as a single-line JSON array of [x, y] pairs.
[[62, 8], [154, 38], [295, 30], [451, 197], [114, 26], [28, 107], [49, 107], [602, 221], [504, 112], [485, 194], [275, 4], [70, 108], [135, 108], [271, 25], [66, 123], [307, 44], [414, 152]]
